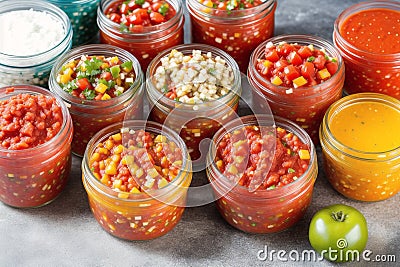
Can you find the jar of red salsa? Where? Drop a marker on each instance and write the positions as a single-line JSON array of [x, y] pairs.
[[35, 158], [139, 33], [193, 89], [367, 36], [136, 175], [98, 91], [237, 27], [299, 76], [360, 140], [262, 175]]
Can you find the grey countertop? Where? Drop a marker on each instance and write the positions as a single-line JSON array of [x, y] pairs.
[[64, 233]]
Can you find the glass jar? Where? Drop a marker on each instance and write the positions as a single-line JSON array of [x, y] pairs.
[[147, 44], [305, 105], [262, 211], [194, 122], [33, 69], [90, 116], [140, 216], [35, 176], [369, 71], [362, 158], [237, 32], [83, 14]]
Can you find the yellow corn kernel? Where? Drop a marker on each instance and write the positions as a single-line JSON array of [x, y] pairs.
[[276, 80], [101, 88], [119, 149], [160, 139], [95, 157], [267, 63], [159, 148], [105, 65], [105, 179], [135, 190], [117, 137], [70, 65], [324, 74], [102, 166], [116, 158], [109, 144], [117, 184], [97, 175], [163, 182], [208, 3], [299, 81], [304, 154], [105, 97], [111, 168], [165, 171], [236, 35], [219, 163], [114, 60]]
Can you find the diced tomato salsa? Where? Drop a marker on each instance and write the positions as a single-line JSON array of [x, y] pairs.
[[135, 14], [289, 162], [27, 121], [231, 4], [96, 77], [259, 201], [35, 147], [134, 163], [293, 65]]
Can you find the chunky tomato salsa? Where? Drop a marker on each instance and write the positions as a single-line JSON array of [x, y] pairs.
[[96, 77], [288, 163], [27, 121], [231, 4], [293, 65], [135, 14]]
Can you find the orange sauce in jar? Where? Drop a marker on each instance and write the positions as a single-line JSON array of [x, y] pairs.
[[360, 139]]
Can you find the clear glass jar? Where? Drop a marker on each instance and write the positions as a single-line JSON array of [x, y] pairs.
[[147, 44], [368, 71], [262, 211], [305, 105], [237, 32], [35, 176], [90, 116], [140, 216], [194, 122], [33, 69], [370, 172], [82, 14]]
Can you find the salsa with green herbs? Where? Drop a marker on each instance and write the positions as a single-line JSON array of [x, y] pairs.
[[133, 15], [294, 65], [96, 77], [231, 4]]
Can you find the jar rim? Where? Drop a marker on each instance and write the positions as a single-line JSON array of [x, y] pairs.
[[303, 39], [188, 107], [95, 49], [336, 107], [158, 194], [37, 90], [265, 120], [37, 5], [359, 53]]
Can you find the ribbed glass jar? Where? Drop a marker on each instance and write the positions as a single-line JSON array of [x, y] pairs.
[[262, 210], [237, 32], [370, 71], [82, 14], [137, 216], [33, 69], [35, 176], [144, 45], [360, 140], [304, 105], [90, 116], [194, 122]]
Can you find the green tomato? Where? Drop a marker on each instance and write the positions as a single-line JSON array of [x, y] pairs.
[[339, 233]]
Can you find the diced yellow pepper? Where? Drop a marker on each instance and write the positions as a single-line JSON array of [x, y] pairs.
[[324, 74], [119, 149], [267, 63], [276, 80], [117, 137], [111, 168], [105, 97], [299, 81], [114, 60], [101, 88], [304, 154]]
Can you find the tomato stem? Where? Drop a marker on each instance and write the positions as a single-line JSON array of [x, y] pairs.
[[339, 216]]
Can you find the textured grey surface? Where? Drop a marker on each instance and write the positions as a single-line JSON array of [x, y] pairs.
[[64, 233]]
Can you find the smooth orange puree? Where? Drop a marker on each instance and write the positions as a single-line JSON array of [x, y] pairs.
[[373, 30], [367, 126]]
